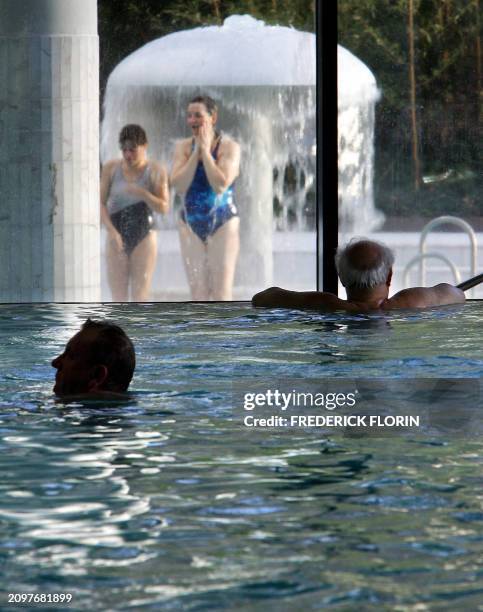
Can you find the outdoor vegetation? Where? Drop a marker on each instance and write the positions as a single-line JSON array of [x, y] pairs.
[[425, 55]]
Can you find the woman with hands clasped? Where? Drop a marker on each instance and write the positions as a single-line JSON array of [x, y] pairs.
[[131, 189], [204, 169]]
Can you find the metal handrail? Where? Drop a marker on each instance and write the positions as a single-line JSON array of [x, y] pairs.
[[464, 225], [422, 257]]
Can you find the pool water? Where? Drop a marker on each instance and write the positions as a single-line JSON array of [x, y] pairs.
[[165, 502]]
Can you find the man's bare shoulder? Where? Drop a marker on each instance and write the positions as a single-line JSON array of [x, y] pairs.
[[425, 297]]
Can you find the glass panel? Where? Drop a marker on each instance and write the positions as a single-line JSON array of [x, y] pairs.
[[257, 61], [409, 107]]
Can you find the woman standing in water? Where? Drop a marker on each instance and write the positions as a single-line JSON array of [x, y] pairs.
[[131, 189], [204, 168]]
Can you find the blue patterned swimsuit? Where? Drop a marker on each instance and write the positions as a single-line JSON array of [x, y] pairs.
[[204, 210]]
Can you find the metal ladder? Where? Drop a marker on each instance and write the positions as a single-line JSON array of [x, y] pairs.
[[423, 255]]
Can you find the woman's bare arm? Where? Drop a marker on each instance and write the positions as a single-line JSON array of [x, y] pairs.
[[107, 173], [184, 166]]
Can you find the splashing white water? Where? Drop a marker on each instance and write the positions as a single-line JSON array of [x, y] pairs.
[[357, 96]]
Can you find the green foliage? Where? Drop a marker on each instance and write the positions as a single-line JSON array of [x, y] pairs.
[[448, 91], [446, 33]]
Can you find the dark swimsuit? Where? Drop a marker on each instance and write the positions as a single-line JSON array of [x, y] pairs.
[[204, 210], [133, 220], [133, 223]]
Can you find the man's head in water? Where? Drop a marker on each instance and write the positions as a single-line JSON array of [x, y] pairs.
[[98, 359], [363, 265]]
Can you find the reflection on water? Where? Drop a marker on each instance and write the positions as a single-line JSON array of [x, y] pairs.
[[165, 502]]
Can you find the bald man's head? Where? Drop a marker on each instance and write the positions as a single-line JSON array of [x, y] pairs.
[[364, 264]]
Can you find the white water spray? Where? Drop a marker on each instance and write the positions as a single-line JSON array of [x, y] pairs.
[[357, 96]]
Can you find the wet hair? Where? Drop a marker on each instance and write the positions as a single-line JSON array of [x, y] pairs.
[[209, 103], [133, 133], [363, 264], [112, 348]]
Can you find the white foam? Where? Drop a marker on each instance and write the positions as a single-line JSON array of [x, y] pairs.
[[356, 84], [243, 51]]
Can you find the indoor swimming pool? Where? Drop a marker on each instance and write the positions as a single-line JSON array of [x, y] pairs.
[[166, 501]]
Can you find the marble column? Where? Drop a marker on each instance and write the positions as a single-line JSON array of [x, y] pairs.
[[49, 151]]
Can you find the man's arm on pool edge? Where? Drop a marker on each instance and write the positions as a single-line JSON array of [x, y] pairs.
[[276, 297]]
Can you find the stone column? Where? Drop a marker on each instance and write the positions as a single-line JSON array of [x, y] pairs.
[[49, 151]]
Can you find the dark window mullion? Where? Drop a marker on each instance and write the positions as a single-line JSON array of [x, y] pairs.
[[327, 151]]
